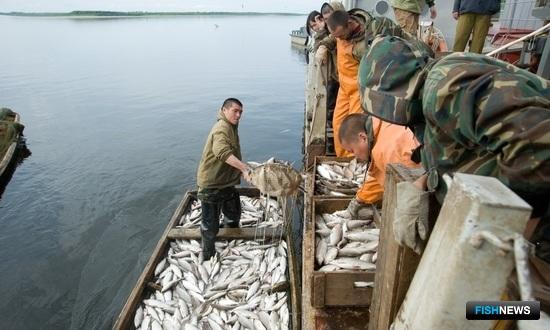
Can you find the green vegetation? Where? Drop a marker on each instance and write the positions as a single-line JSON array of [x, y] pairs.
[[98, 13]]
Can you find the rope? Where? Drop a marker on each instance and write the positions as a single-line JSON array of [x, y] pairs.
[[521, 248]]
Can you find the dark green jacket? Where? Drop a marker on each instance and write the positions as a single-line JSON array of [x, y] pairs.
[[473, 114], [222, 142], [414, 6]]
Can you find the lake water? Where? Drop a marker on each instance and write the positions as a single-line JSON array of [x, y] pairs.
[[116, 113]]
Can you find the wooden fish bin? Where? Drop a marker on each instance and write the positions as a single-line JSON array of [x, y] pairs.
[[314, 189], [336, 288], [145, 284]]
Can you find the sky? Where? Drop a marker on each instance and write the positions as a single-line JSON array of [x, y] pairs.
[[287, 6]]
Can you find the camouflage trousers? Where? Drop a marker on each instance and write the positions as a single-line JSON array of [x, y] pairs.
[[407, 20], [214, 201]]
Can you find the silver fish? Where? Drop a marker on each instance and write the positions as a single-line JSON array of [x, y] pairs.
[[321, 251], [353, 264], [332, 253], [138, 318], [335, 235], [159, 304]]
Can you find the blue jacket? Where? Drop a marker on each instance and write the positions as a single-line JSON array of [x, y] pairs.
[[483, 7]]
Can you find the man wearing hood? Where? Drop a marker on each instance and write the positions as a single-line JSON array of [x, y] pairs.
[[349, 31], [219, 171], [471, 113]]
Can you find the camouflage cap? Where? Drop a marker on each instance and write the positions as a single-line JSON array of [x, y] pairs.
[[391, 76], [381, 26]]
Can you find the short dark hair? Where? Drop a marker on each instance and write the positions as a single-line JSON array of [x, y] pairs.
[[228, 102], [326, 7], [311, 18], [338, 18], [351, 126]]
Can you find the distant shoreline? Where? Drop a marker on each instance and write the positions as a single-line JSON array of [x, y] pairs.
[[116, 14]]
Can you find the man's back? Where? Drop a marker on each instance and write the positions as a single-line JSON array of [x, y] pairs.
[[487, 117]]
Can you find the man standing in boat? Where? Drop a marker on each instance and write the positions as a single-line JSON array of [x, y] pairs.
[[219, 171]]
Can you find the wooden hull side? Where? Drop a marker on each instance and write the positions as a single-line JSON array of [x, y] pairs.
[[8, 156]]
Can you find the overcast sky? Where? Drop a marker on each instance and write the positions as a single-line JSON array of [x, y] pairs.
[[292, 6]]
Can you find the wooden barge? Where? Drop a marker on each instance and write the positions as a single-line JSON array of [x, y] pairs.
[[7, 155], [145, 283]]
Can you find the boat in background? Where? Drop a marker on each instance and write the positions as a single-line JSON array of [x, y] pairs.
[[10, 132], [299, 37]]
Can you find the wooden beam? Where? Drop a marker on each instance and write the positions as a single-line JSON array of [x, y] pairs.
[[396, 265], [308, 250], [229, 233], [456, 265], [318, 290]]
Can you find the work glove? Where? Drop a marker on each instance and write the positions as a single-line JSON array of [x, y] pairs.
[[410, 225], [356, 210]]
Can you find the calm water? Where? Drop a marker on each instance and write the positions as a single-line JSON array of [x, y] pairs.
[[116, 113]]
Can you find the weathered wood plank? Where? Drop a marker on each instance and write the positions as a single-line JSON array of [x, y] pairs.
[[340, 290], [396, 265], [228, 233], [308, 311], [318, 290]]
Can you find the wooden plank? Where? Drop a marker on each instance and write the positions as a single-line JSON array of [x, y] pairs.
[[340, 290], [308, 311], [395, 265], [126, 316], [228, 233], [318, 290], [319, 105]]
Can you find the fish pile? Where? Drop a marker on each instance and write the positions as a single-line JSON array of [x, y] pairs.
[[261, 212], [344, 244], [241, 289], [338, 178]]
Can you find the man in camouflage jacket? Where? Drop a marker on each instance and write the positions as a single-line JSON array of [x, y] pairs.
[[407, 13], [472, 113]]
